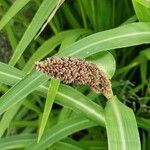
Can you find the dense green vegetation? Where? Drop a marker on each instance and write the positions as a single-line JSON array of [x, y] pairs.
[[38, 112]]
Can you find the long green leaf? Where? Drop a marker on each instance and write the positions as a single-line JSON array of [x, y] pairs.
[[69, 143], [146, 53], [7, 71], [70, 17], [7, 118], [27, 85], [144, 123], [13, 10], [13, 42], [121, 126], [75, 100], [52, 91], [94, 144], [17, 141], [41, 15], [31, 106], [124, 36], [66, 146], [60, 131]]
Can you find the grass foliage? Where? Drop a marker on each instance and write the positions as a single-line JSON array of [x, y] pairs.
[[39, 113]]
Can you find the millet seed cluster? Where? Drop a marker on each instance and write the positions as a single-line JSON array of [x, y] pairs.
[[75, 70]]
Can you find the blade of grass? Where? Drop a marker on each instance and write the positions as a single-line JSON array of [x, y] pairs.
[[65, 113], [60, 2], [41, 15], [93, 13], [11, 37], [13, 43], [124, 36], [128, 67], [70, 17], [94, 144], [31, 105], [15, 94], [130, 20], [142, 10], [24, 123], [13, 10], [104, 7], [144, 123], [143, 70], [58, 22], [146, 53], [60, 131], [80, 103], [87, 9], [68, 40], [82, 13], [7, 118], [7, 71], [52, 91], [69, 143], [17, 141], [120, 121], [66, 146]]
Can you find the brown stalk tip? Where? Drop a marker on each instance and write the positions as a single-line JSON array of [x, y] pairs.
[[75, 70]]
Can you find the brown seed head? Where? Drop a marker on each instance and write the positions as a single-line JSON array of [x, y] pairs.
[[75, 70]]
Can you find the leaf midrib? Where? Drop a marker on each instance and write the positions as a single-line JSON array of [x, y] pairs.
[[120, 126], [105, 40], [7, 102], [10, 75], [84, 106]]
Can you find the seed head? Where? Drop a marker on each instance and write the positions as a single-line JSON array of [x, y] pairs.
[[75, 70]]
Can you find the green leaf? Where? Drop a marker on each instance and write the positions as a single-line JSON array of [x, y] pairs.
[[142, 10], [60, 131], [7, 71], [69, 143], [13, 10], [124, 36], [13, 42], [144, 123], [70, 16], [51, 94], [15, 94], [95, 144], [76, 35], [143, 59], [146, 53], [24, 123], [41, 15], [31, 106], [64, 114], [130, 20], [66, 146], [7, 118], [121, 126], [80, 103], [17, 141]]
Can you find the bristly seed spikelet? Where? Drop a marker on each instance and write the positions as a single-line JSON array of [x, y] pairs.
[[75, 70]]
